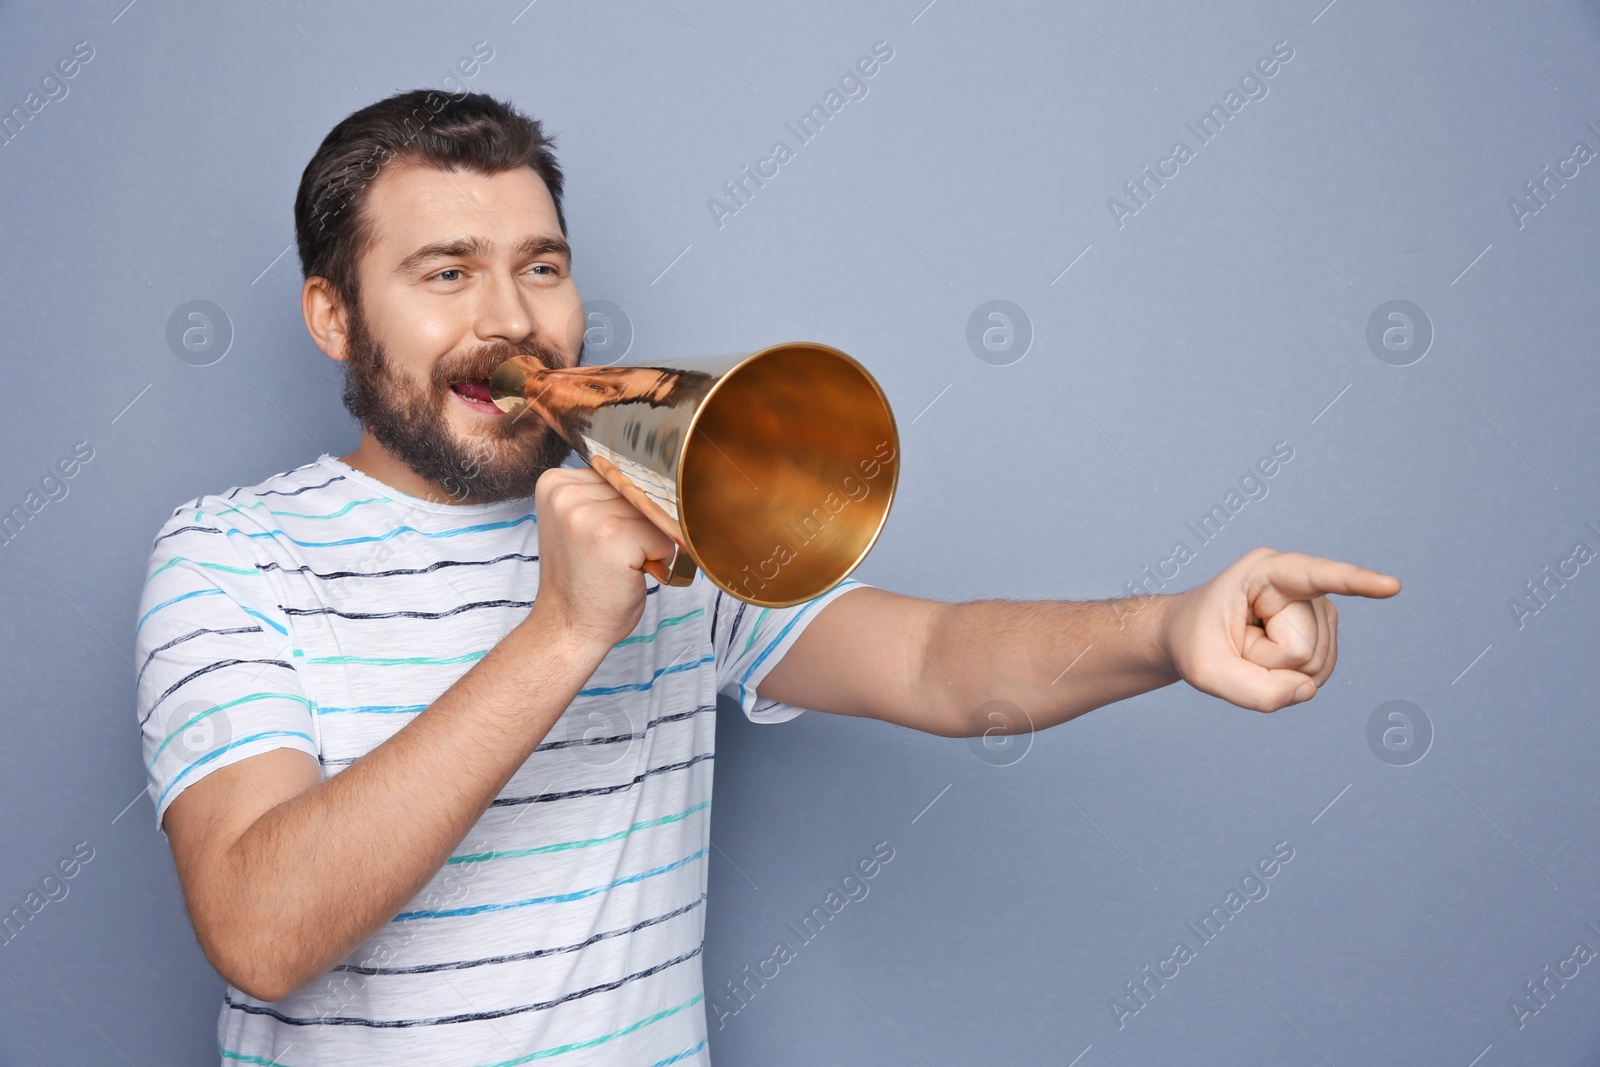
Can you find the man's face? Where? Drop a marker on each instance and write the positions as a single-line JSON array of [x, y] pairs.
[[463, 272]]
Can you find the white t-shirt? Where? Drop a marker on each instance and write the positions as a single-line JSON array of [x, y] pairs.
[[321, 610]]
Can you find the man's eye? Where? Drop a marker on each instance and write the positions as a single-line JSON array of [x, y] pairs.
[[544, 267], [449, 270]]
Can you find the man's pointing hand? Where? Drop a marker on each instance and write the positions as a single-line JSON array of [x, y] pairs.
[[1263, 634]]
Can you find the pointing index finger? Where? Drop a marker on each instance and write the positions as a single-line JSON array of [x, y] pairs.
[[1302, 577]]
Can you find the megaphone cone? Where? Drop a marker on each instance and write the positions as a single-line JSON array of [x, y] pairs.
[[773, 471]]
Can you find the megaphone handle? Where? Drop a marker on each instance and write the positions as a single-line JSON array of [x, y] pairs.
[[679, 570]]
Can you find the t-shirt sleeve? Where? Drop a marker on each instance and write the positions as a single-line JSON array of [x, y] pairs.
[[216, 681], [750, 641]]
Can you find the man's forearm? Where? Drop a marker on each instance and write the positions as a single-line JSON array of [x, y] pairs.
[[316, 875], [1054, 659]]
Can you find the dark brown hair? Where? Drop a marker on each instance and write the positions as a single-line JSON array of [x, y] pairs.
[[469, 131]]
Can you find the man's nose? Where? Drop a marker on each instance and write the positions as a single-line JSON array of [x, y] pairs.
[[504, 313]]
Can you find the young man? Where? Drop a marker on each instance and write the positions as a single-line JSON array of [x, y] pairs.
[[433, 754]]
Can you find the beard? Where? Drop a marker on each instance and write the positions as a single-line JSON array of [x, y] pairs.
[[503, 463]]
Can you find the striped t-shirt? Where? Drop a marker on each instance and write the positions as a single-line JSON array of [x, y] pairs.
[[321, 610]]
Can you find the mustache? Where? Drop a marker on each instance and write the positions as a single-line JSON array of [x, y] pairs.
[[481, 362]]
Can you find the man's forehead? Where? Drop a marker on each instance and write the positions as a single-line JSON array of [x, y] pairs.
[[410, 205]]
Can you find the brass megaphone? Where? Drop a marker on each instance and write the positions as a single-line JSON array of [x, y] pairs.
[[772, 471]]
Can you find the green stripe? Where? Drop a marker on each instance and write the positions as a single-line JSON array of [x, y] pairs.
[[298, 514], [530, 1057], [399, 661], [175, 734], [755, 627], [639, 638], [602, 1039], [175, 560], [479, 857], [228, 1053]]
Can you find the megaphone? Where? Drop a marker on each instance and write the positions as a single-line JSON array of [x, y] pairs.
[[772, 471]]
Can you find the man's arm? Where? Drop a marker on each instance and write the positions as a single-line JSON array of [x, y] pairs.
[[1257, 635], [285, 874]]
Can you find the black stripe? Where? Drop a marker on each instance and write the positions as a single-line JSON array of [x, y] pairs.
[[403, 570], [187, 636], [465, 1017], [602, 790], [409, 614], [183, 529], [302, 489], [737, 618], [217, 666], [518, 957], [576, 742], [715, 607]]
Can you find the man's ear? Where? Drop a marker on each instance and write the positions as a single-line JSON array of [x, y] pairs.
[[325, 317]]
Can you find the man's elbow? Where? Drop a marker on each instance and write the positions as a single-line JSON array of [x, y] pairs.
[[989, 720], [948, 725], [257, 967]]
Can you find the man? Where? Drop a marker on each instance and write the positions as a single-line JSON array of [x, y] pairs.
[[433, 754]]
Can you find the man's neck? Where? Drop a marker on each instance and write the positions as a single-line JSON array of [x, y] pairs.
[[375, 461]]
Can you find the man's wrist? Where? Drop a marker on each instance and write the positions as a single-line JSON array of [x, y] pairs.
[[1163, 614], [551, 632]]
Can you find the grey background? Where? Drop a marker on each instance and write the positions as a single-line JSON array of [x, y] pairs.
[[1228, 314]]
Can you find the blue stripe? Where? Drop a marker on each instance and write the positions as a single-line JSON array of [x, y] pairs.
[[558, 898], [787, 627], [174, 600], [263, 618], [639, 687], [685, 1054], [392, 533], [209, 756], [371, 709]]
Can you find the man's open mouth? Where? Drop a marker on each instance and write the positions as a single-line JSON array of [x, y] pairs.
[[474, 392]]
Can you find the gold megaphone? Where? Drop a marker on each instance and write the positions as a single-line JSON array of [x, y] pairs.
[[772, 471]]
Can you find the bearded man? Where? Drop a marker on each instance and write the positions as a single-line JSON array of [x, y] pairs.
[[434, 754]]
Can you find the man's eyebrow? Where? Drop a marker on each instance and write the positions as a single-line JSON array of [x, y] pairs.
[[545, 245], [464, 247], [455, 248]]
